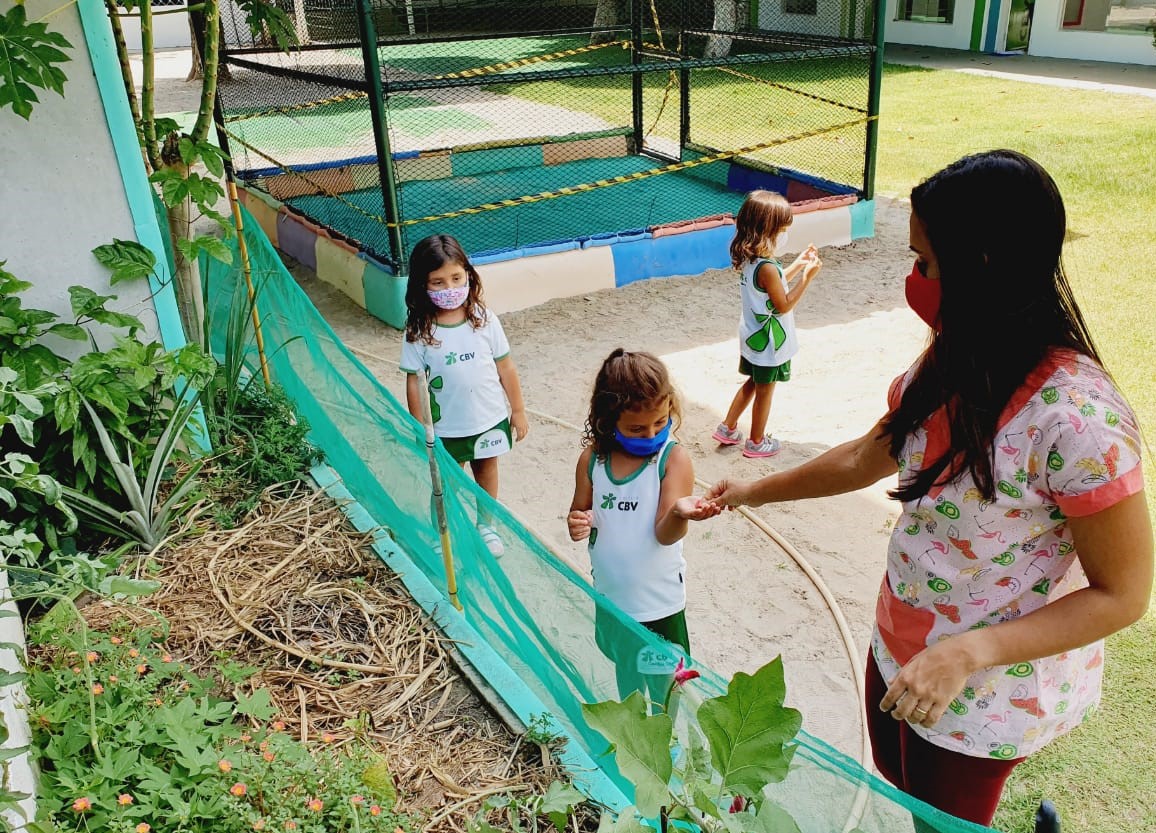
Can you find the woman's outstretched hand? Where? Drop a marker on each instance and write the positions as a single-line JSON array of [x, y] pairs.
[[727, 494]]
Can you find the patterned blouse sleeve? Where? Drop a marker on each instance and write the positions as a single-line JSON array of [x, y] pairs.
[[1092, 442]]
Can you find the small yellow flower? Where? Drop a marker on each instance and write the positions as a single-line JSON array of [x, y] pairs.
[[124, 799], [314, 804], [98, 689], [92, 656], [224, 765], [143, 827], [238, 789], [82, 805], [374, 810]]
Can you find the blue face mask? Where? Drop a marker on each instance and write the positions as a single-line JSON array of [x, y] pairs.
[[643, 446]]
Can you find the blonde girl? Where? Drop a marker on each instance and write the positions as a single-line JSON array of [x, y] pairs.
[[767, 339], [475, 395]]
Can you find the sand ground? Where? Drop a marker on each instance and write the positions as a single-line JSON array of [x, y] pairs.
[[748, 601]]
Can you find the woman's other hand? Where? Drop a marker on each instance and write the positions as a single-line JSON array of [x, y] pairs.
[[930, 681]]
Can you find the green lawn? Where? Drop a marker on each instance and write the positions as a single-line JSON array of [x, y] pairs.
[[1100, 149]]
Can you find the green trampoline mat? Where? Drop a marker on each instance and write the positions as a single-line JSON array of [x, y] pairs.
[[632, 205]]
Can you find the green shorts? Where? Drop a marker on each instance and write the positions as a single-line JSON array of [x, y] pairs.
[[765, 375], [490, 443]]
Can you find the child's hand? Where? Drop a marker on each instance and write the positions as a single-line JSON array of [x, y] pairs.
[[691, 508], [520, 425], [580, 522], [813, 266]]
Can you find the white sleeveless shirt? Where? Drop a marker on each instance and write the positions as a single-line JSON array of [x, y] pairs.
[[766, 338], [643, 577]]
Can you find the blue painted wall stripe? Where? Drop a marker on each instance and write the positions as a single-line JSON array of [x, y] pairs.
[[993, 14]]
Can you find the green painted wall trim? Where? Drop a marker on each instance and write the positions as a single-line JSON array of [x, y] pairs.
[[584, 773], [863, 219], [106, 68], [977, 24]]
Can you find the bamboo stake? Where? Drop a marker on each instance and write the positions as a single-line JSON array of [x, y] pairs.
[[243, 248], [439, 498]]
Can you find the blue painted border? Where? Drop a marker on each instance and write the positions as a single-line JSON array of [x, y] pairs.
[[686, 253], [993, 14], [585, 774], [138, 192]]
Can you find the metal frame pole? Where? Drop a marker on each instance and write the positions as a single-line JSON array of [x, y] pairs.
[[368, 33], [683, 85], [636, 77], [874, 92]]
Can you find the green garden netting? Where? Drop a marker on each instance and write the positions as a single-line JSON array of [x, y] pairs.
[[528, 606]]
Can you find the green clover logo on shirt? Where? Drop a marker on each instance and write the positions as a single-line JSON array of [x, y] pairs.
[[435, 410], [608, 501], [760, 338]]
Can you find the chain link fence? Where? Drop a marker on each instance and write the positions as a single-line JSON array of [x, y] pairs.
[[512, 123]]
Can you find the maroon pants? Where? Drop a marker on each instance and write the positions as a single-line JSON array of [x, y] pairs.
[[966, 786]]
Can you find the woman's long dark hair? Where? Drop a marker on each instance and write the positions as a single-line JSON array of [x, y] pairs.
[[428, 254], [996, 224]]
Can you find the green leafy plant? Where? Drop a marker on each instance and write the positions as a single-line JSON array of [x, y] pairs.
[[523, 813], [129, 739], [147, 519], [741, 742], [28, 57]]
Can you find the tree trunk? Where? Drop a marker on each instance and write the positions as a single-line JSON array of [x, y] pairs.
[[197, 70], [605, 14], [726, 16], [187, 279]]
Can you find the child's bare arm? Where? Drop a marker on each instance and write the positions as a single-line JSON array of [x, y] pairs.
[[412, 393], [508, 376], [676, 504], [785, 300], [579, 521]]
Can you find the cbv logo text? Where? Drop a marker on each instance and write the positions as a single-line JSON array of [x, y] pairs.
[[611, 502]]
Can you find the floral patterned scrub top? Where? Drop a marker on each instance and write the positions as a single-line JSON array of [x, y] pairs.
[[1067, 446]]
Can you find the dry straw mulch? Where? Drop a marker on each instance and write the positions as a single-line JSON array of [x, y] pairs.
[[296, 592]]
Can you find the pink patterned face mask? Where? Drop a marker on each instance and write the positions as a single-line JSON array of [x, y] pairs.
[[451, 298]]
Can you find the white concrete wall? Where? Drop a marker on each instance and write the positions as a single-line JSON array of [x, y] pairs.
[[826, 20], [1050, 39], [954, 35], [170, 29], [61, 193]]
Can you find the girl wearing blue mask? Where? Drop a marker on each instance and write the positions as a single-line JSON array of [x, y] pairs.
[[767, 340], [475, 395], [632, 503]]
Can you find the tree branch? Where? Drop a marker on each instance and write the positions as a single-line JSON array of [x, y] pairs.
[[210, 59]]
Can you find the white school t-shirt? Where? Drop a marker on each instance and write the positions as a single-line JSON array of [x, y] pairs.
[[466, 394]]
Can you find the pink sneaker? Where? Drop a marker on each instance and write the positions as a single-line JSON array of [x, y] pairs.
[[768, 447], [727, 436]]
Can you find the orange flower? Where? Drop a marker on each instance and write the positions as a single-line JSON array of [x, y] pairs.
[[92, 656], [278, 725], [259, 824], [142, 668], [328, 737], [166, 657], [268, 756], [224, 765], [112, 678], [82, 804], [76, 669], [124, 799], [356, 799], [134, 653], [158, 701], [245, 738], [238, 789], [143, 827], [115, 640], [98, 689], [290, 825], [314, 804], [374, 810]]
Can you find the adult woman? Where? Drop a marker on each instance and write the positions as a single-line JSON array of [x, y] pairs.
[[1024, 537]]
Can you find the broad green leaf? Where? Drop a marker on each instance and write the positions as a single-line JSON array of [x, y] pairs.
[[120, 585], [23, 428], [266, 19], [70, 331], [84, 300], [127, 259], [28, 52], [558, 802], [118, 320], [698, 769], [188, 150], [641, 746], [748, 728], [771, 818], [12, 677], [259, 706], [626, 822]]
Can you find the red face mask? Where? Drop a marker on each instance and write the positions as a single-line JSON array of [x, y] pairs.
[[923, 296]]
